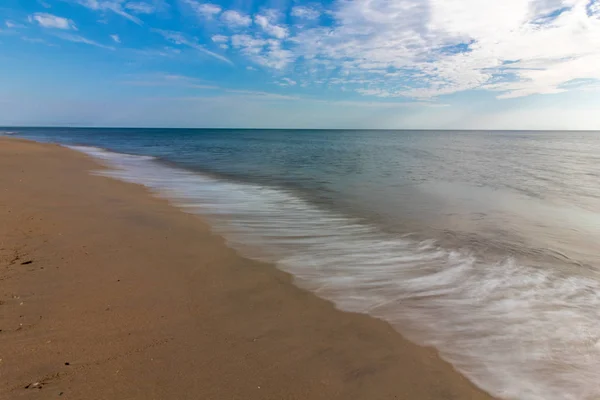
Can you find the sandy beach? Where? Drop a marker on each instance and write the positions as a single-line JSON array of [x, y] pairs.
[[109, 293]]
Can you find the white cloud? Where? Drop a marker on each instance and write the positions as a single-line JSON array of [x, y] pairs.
[[115, 38], [80, 39], [115, 6], [173, 36], [275, 57], [15, 25], [140, 8], [52, 21], [235, 19], [417, 49], [181, 39], [594, 8], [305, 13], [269, 27], [219, 38], [204, 10], [248, 42], [266, 52], [428, 48], [287, 82]]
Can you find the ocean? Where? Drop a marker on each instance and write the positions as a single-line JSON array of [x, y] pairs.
[[482, 244]]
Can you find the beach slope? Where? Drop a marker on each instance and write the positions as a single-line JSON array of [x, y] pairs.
[[109, 293]]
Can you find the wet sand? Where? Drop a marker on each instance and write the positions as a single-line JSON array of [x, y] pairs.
[[109, 293]]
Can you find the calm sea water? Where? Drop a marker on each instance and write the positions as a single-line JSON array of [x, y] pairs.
[[485, 245]]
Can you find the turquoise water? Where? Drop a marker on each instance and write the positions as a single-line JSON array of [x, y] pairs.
[[482, 244]]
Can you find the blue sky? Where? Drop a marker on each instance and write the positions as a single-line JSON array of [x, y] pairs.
[[498, 64]]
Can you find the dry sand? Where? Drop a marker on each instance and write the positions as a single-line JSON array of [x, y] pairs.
[[109, 293]]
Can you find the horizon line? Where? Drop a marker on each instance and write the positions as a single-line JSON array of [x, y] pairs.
[[293, 129]]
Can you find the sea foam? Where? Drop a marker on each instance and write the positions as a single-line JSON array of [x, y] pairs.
[[517, 331]]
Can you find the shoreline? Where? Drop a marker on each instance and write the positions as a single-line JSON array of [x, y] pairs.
[[109, 292]]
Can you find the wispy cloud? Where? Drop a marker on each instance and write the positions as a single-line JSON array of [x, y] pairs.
[[193, 83], [203, 10], [173, 36], [287, 82], [404, 49], [266, 52], [80, 39], [308, 13], [245, 95], [37, 41], [181, 39], [114, 6], [32, 40], [262, 95], [270, 27], [383, 104], [141, 8], [235, 19], [162, 79], [13, 25], [160, 52], [52, 21], [220, 39], [269, 96], [424, 49]]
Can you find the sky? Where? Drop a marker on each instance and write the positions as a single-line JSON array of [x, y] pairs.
[[388, 64]]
